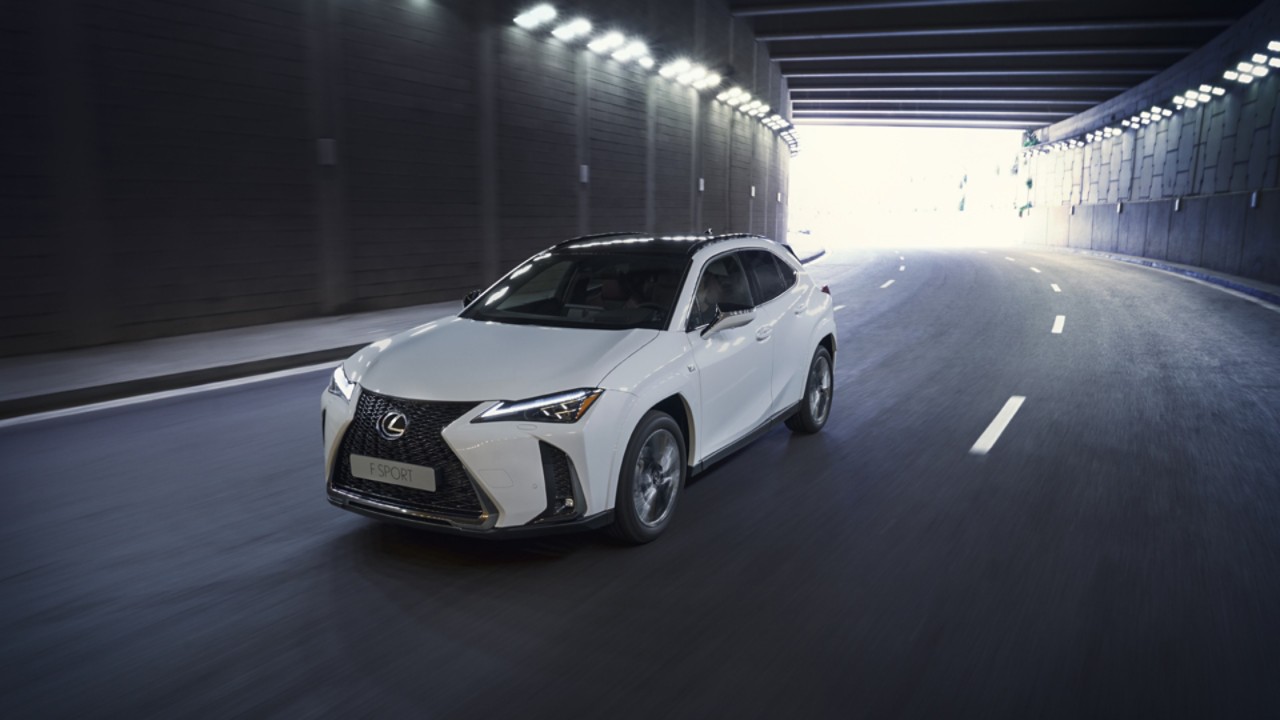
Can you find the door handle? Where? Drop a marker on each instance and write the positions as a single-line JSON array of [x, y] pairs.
[[801, 307], [763, 333]]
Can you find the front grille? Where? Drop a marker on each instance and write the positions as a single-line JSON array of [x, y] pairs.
[[422, 444]]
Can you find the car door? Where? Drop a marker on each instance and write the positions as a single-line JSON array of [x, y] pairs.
[[772, 311], [792, 348], [734, 368]]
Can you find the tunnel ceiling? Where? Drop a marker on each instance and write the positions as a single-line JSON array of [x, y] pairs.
[[974, 63]]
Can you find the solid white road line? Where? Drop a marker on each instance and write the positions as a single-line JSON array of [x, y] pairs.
[[1249, 298], [989, 436], [886, 285], [1035, 270], [1055, 287], [1006, 257], [164, 395], [901, 268], [1058, 322]]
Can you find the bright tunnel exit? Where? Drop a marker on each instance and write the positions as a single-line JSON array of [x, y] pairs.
[[868, 186]]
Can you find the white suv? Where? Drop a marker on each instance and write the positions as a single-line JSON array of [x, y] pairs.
[[582, 388]]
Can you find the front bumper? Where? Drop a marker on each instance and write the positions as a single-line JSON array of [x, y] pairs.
[[362, 506], [508, 478]]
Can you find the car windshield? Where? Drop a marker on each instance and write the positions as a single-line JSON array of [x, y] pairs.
[[609, 291]]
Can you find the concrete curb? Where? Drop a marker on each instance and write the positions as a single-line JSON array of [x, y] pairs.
[[1188, 272], [141, 386]]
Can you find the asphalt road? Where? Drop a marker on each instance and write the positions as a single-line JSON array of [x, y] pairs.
[[1115, 554]]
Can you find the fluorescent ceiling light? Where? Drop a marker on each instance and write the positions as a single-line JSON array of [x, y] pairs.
[[572, 30], [606, 42], [534, 17]]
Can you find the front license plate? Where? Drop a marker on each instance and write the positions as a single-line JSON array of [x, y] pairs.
[[417, 477]]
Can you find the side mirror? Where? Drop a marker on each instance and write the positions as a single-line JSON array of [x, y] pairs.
[[729, 320], [470, 297]]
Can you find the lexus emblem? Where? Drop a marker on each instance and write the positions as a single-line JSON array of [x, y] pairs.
[[393, 425]]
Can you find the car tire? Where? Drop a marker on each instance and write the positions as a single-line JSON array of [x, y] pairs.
[[651, 481], [819, 386]]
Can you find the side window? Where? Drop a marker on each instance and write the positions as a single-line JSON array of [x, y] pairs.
[[723, 285], [763, 267], [788, 273]]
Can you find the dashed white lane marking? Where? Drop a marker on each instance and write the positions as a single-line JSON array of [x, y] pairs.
[[1055, 287], [1058, 322], [164, 395], [838, 307], [901, 257], [1035, 270], [1006, 257], [901, 268], [989, 436], [982, 252], [886, 285]]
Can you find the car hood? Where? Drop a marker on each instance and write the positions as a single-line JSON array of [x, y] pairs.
[[457, 359]]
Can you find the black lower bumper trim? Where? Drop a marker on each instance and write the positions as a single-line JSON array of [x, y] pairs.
[[593, 522]]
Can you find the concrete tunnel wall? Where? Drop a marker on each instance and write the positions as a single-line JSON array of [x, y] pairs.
[[173, 166], [1180, 190]]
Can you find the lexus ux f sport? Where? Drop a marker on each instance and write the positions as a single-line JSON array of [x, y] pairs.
[[582, 388]]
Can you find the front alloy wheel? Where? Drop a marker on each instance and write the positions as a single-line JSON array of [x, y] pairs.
[[815, 408], [653, 474]]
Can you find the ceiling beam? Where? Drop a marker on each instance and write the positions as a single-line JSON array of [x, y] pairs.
[[968, 73], [1028, 102], [934, 113], [968, 54], [920, 122], [1083, 89], [810, 8], [1020, 29]]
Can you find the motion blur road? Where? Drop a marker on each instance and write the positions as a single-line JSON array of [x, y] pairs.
[[1115, 554]]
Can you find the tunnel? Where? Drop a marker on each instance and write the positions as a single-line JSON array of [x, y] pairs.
[[609, 358]]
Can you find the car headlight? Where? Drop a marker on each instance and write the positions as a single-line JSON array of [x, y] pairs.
[[341, 385], [565, 407]]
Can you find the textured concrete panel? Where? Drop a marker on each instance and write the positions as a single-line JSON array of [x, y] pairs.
[[1106, 223], [1132, 228], [1260, 255], [1156, 243], [1058, 219], [1080, 226], [1186, 232], [1224, 223]]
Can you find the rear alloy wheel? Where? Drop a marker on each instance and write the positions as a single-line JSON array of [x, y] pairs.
[[653, 475], [815, 408]]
